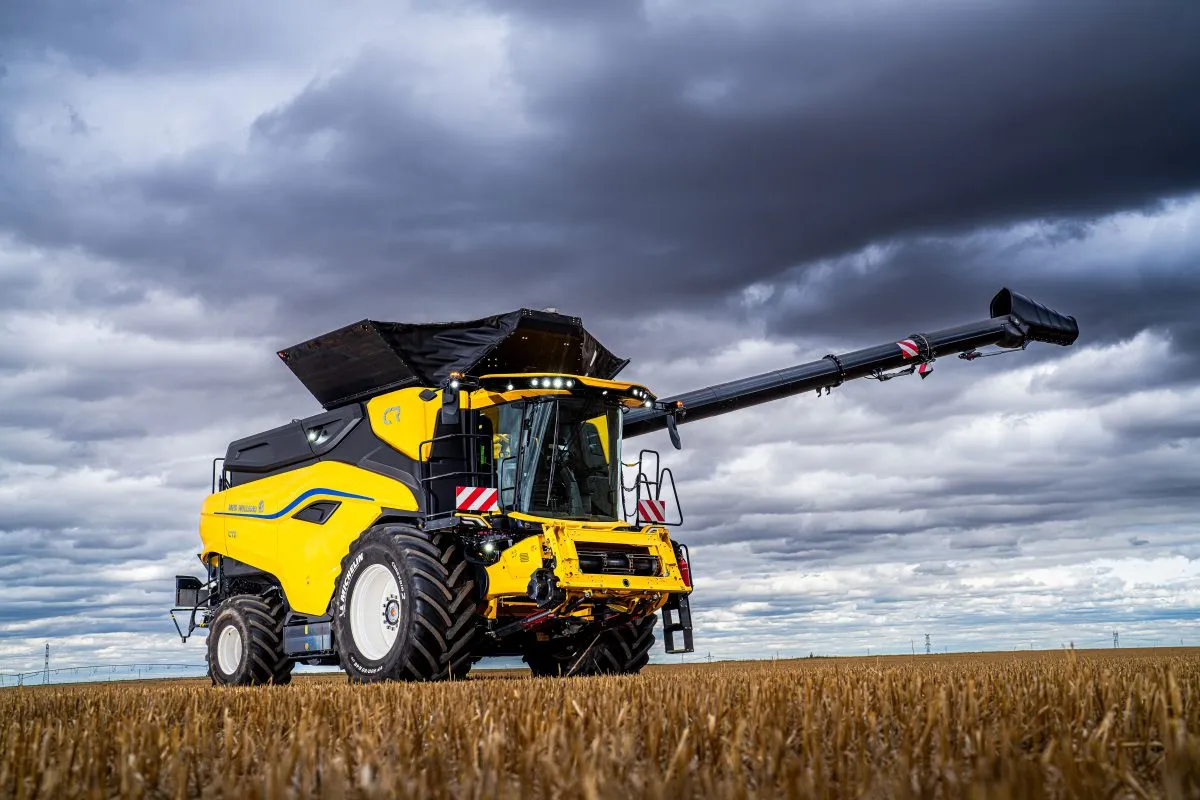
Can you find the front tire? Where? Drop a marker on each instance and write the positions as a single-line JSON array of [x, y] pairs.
[[405, 607], [622, 650], [245, 642]]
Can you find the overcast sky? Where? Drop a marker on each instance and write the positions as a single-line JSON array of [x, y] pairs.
[[719, 188]]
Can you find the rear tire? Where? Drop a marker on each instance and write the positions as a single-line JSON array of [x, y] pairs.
[[245, 642], [405, 607], [623, 650]]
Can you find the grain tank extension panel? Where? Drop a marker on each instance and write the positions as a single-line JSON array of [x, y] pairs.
[[369, 358]]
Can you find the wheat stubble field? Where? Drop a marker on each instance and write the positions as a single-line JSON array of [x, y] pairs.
[[1017, 725]]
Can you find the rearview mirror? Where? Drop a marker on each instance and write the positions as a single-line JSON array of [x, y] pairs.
[[449, 406], [673, 432]]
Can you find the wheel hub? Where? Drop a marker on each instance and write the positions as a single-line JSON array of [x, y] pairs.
[[391, 612]]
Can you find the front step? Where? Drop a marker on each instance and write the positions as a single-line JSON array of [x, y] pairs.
[[680, 608]]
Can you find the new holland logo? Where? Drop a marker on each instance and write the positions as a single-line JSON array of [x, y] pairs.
[[391, 415], [247, 508]]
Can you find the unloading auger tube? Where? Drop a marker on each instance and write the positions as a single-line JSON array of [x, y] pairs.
[[1015, 321]]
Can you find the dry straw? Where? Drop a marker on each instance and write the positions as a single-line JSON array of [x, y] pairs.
[[1104, 725]]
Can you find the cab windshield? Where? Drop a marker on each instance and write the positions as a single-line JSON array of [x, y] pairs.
[[559, 457]]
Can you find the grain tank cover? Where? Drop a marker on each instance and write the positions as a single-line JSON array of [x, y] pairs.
[[369, 358]]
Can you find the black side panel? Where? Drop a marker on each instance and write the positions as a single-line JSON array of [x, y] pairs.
[[239, 478], [270, 450], [343, 434], [297, 444]]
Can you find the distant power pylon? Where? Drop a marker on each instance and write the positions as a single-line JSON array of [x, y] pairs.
[[46, 668], [927, 650], [1116, 639]]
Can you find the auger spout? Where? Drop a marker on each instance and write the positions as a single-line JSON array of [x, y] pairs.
[[1015, 321]]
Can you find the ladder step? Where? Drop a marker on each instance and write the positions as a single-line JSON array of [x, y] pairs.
[[678, 606]]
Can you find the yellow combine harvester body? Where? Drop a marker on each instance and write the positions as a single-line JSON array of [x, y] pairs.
[[253, 522]]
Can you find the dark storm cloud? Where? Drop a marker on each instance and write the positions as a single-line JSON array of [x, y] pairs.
[[663, 146], [816, 138]]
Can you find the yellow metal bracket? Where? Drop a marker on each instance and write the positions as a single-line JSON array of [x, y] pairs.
[[559, 542]]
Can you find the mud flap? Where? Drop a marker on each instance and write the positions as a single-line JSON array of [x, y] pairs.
[[677, 618]]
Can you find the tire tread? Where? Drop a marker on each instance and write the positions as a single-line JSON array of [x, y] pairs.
[[264, 616], [623, 650], [444, 588]]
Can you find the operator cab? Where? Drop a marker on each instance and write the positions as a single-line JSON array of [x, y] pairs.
[[550, 444], [558, 457]]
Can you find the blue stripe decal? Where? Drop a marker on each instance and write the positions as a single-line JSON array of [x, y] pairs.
[[296, 502]]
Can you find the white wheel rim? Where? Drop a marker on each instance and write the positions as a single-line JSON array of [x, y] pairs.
[[375, 612], [229, 650]]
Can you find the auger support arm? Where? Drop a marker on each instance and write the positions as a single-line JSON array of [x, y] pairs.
[[1015, 321]]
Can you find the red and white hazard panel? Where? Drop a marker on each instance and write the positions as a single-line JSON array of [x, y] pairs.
[[477, 499], [924, 369], [909, 348], [652, 511]]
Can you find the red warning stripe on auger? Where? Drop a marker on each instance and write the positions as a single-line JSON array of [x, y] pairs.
[[476, 499], [652, 510], [909, 348]]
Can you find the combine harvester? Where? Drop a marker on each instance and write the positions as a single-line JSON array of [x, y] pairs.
[[463, 496]]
